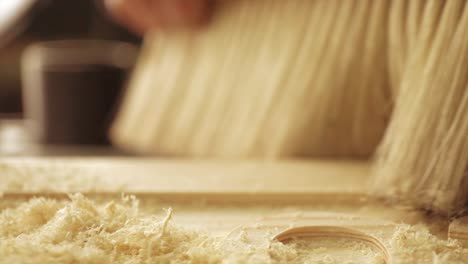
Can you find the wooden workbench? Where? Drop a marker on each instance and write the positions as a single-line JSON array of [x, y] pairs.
[[222, 196]]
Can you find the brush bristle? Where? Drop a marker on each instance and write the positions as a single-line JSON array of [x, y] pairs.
[[267, 78], [424, 155]]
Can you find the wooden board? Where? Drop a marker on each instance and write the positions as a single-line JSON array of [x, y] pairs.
[[298, 181]]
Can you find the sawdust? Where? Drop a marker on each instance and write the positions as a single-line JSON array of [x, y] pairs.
[[415, 244], [80, 230], [51, 177], [18, 178], [49, 231]]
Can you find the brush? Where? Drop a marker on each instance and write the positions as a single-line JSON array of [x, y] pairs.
[[266, 78], [423, 157], [271, 79]]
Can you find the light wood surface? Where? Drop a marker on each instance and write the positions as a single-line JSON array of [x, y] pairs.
[[286, 180]]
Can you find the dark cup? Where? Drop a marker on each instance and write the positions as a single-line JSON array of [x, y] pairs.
[[71, 89]]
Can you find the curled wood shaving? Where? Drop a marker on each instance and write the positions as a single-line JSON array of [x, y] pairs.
[[334, 232]]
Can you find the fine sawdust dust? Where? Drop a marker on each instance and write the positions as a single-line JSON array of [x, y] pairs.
[[52, 177], [82, 231]]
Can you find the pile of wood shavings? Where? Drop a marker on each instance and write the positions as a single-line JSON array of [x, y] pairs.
[[415, 244], [49, 231], [81, 231]]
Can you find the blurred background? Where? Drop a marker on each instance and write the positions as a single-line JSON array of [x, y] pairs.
[[46, 20]]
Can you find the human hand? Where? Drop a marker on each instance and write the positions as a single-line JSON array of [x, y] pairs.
[[143, 15]]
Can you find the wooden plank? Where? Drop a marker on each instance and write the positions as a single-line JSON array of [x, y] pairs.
[[165, 176]]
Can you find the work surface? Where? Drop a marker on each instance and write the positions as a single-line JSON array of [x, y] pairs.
[[290, 179], [255, 200]]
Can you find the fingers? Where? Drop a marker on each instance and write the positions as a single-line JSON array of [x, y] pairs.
[[183, 12], [142, 15]]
